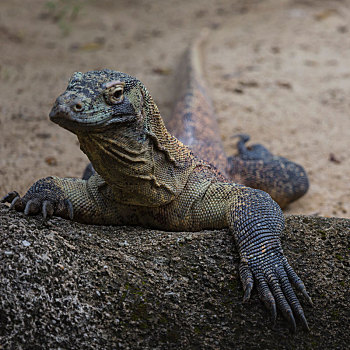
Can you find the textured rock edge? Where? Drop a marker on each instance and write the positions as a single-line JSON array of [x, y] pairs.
[[67, 285]]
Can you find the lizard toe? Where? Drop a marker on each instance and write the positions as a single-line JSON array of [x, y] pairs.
[[297, 282], [267, 298], [47, 209], [32, 207], [14, 201], [9, 197], [247, 280], [65, 209], [282, 302], [18, 204]]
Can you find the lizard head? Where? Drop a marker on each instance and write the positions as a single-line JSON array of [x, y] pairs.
[[115, 120], [100, 100]]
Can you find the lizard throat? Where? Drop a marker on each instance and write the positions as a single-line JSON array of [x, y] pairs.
[[136, 171]]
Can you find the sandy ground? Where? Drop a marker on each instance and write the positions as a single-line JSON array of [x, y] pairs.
[[277, 70]]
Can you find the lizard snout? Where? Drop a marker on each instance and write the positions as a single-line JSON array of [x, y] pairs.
[[63, 110]]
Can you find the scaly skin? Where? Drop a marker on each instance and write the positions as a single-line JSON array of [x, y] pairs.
[[145, 176], [194, 123]]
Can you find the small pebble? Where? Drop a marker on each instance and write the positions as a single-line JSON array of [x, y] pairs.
[[26, 243]]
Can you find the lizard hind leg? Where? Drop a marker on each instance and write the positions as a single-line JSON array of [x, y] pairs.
[[255, 166], [254, 152]]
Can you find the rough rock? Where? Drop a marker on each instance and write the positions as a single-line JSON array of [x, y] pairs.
[[72, 286]]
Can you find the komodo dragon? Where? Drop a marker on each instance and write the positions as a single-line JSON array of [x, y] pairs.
[[143, 175]]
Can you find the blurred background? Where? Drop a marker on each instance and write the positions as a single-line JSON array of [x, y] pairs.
[[276, 69]]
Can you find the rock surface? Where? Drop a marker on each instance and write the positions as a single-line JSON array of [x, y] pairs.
[[71, 286]]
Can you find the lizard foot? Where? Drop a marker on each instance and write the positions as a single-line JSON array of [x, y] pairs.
[[274, 278], [37, 201], [257, 227], [254, 152]]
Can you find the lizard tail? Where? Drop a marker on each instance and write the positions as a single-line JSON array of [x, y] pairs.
[[193, 120]]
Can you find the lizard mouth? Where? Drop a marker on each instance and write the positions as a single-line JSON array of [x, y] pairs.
[[86, 123]]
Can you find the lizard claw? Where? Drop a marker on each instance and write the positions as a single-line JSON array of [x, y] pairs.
[[304, 323], [13, 203], [267, 298], [47, 209], [65, 209], [247, 280], [70, 209], [32, 207], [290, 318], [297, 282], [14, 199], [9, 197]]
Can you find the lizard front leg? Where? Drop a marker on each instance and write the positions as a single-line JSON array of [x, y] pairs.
[[257, 221], [69, 198]]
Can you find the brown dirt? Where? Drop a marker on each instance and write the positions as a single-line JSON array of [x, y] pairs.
[[278, 70]]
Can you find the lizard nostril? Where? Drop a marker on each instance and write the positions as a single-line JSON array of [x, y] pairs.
[[78, 107]]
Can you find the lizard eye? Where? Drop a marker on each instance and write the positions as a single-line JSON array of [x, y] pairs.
[[78, 107], [114, 94], [118, 94]]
